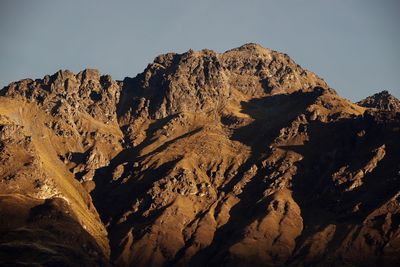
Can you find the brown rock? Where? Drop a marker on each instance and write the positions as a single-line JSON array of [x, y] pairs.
[[241, 158]]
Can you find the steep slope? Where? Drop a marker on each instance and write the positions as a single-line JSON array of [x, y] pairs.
[[42, 136], [241, 158], [383, 100]]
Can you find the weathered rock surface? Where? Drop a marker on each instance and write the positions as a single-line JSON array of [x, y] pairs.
[[383, 101], [235, 159]]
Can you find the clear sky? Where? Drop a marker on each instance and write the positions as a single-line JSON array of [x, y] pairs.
[[354, 45]]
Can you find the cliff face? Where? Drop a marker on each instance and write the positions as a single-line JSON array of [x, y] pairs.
[[241, 159]]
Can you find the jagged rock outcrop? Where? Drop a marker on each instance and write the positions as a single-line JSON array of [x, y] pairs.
[[207, 82], [240, 158], [383, 101]]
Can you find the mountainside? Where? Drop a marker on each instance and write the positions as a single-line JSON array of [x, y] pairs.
[[241, 158]]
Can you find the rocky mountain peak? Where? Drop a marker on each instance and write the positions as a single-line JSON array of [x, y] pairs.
[[203, 159], [252, 47], [203, 81], [382, 100], [87, 92]]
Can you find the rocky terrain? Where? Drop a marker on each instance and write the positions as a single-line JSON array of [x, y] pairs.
[[241, 158], [382, 101]]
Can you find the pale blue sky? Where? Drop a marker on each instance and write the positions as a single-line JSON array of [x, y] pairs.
[[353, 45]]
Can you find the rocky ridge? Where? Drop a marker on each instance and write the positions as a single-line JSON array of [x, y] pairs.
[[240, 158], [382, 101]]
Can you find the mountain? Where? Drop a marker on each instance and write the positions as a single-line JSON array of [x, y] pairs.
[[241, 158], [383, 100]]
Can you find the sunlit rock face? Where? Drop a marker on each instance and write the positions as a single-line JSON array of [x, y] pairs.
[[382, 101], [241, 158]]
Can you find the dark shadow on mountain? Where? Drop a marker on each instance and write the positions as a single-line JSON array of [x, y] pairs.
[[113, 198], [131, 159], [270, 115], [331, 146], [137, 88], [51, 236]]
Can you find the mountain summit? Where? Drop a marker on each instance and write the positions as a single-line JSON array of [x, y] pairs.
[[383, 101], [241, 158]]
